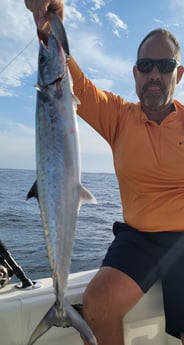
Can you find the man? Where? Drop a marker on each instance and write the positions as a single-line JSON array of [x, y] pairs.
[[147, 145]]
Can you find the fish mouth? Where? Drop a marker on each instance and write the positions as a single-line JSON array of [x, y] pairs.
[[57, 80], [57, 83], [43, 37]]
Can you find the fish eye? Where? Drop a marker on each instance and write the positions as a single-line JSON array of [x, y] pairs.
[[42, 59]]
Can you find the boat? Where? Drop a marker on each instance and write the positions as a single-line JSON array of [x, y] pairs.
[[21, 309]]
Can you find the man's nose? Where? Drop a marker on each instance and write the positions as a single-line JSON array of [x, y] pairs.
[[155, 74]]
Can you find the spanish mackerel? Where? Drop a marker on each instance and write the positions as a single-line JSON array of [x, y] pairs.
[[60, 193]]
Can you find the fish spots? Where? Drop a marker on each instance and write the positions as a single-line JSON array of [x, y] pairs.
[[53, 118]]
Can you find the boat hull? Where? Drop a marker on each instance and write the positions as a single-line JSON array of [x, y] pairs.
[[21, 310]]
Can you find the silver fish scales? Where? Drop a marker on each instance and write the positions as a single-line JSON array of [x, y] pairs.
[[59, 190]]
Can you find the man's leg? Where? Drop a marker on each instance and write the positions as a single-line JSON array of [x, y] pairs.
[[108, 297]]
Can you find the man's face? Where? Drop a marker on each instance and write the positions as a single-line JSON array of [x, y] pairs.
[[156, 89]]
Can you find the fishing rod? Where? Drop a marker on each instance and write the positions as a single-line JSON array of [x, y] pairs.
[[8, 267], [18, 54]]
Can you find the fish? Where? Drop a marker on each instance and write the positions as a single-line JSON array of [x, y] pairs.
[[58, 183]]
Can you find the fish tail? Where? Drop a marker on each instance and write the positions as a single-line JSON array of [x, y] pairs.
[[74, 319], [49, 320], [59, 32]]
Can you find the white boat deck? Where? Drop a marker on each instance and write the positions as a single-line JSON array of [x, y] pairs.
[[21, 310]]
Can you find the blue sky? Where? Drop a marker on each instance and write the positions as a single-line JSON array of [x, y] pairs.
[[103, 37]]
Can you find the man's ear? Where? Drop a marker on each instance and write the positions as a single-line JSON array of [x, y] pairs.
[[134, 71], [180, 72]]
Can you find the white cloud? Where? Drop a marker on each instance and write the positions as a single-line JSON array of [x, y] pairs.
[[19, 53], [91, 141], [103, 84], [16, 69], [18, 143], [16, 61], [16, 128], [22, 30], [116, 33], [177, 4], [179, 93], [17, 24], [95, 18], [117, 23], [97, 4], [4, 92], [169, 23], [96, 154], [95, 56], [73, 17]]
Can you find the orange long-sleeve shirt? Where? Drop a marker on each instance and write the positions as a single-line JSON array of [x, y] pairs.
[[148, 158]]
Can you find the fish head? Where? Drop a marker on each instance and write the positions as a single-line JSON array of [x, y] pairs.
[[51, 62]]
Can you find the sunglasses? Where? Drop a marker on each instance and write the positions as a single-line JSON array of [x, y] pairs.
[[164, 65]]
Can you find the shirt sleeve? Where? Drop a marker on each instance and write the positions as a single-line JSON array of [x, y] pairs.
[[101, 109]]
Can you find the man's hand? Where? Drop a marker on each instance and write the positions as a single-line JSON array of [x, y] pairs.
[[40, 9]]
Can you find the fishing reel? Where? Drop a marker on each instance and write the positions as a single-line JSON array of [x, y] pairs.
[[5, 273], [9, 267], [4, 276]]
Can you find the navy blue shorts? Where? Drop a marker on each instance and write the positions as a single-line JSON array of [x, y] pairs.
[[150, 256]]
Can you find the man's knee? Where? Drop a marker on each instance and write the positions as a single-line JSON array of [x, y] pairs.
[[95, 300], [110, 292]]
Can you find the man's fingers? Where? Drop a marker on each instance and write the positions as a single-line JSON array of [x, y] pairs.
[[40, 9]]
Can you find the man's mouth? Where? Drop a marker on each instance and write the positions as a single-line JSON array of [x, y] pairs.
[[153, 87]]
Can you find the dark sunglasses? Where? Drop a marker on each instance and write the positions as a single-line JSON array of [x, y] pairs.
[[164, 65]]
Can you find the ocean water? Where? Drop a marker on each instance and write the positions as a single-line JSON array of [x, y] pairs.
[[21, 230]]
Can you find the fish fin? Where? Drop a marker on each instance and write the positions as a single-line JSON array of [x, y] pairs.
[[86, 196], [33, 193], [75, 99], [75, 320], [49, 320], [58, 30]]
